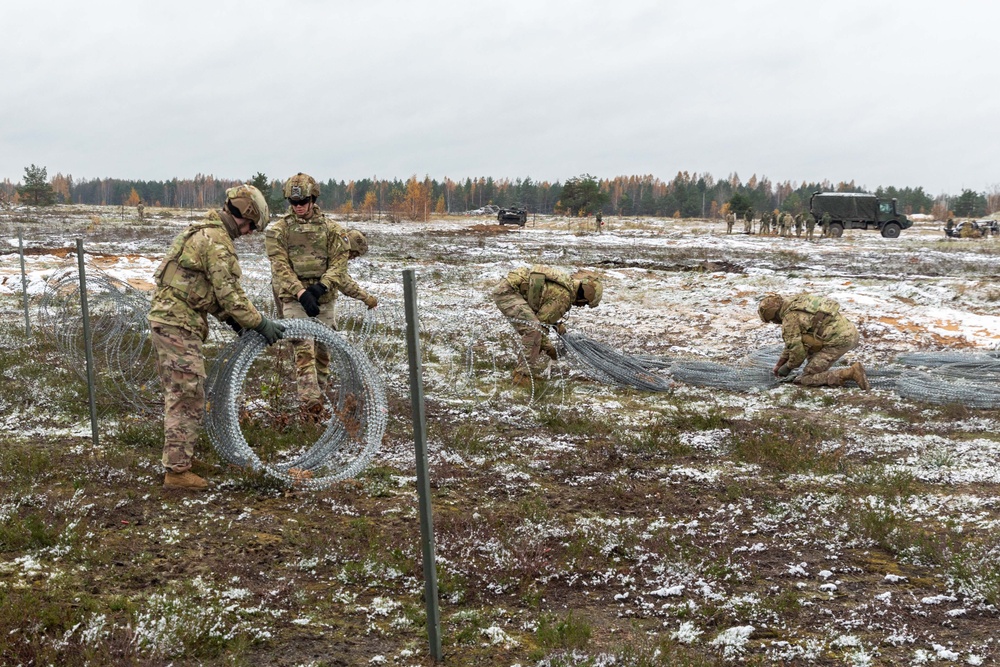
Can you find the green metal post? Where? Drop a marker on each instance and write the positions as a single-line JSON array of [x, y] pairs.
[[24, 284], [423, 481], [88, 343]]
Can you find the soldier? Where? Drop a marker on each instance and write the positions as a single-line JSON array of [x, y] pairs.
[[730, 219], [539, 295], [748, 221], [199, 276], [814, 331], [949, 228], [139, 209], [309, 254], [824, 224], [798, 224], [765, 223], [810, 225], [786, 224]]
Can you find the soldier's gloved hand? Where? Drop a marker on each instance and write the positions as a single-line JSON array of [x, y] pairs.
[[560, 328], [234, 325], [783, 371], [309, 303], [371, 301], [270, 330], [317, 290]]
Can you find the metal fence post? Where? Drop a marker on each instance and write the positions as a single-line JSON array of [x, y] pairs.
[[24, 284], [88, 344], [423, 481]]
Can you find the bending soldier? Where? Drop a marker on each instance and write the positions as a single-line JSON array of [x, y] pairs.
[[531, 297], [309, 254], [814, 331], [200, 275]]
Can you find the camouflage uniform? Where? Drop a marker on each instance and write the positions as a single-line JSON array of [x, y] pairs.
[[140, 209], [814, 331], [765, 223], [199, 275], [786, 224], [748, 222], [824, 224], [730, 220], [528, 296], [305, 251], [810, 225], [798, 224]]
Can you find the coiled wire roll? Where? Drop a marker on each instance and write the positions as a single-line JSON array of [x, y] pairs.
[[353, 433]]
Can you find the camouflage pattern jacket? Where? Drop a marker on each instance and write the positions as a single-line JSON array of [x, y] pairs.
[[808, 324], [548, 291], [200, 275], [305, 251]]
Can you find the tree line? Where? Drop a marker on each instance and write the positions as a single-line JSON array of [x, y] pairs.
[[687, 195]]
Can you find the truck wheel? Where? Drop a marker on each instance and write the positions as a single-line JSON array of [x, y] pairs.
[[890, 230], [836, 230]]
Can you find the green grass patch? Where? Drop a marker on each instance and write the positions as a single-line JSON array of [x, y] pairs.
[[786, 444]]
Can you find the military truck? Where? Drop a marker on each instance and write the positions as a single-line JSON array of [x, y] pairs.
[[857, 210], [516, 215]]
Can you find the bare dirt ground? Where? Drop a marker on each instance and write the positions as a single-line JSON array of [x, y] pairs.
[[583, 525]]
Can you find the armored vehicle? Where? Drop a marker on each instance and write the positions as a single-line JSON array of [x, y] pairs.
[[856, 210], [516, 215]]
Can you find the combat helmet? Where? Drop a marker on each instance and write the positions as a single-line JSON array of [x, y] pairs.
[[769, 306], [248, 202], [590, 284], [301, 186], [359, 244]]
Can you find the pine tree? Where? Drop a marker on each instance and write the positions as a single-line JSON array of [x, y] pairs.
[[36, 189]]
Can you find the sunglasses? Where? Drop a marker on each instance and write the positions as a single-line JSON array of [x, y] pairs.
[[299, 202]]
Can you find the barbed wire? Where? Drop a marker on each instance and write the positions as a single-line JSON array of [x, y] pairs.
[[354, 431]]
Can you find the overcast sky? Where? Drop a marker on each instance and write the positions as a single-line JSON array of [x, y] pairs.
[[882, 93]]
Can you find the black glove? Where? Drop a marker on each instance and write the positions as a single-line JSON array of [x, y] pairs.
[[783, 370], [309, 303], [270, 330], [317, 290], [234, 325]]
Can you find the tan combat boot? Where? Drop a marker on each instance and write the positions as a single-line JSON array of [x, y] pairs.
[[858, 375], [185, 481]]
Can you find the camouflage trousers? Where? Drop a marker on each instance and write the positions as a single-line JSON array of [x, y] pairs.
[[526, 323], [181, 367], [810, 231], [817, 372], [312, 359]]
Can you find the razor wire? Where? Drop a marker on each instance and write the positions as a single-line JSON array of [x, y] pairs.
[[353, 433], [607, 365], [119, 329], [935, 388]]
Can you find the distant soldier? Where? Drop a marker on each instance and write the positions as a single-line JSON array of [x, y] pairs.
[[814, 331], [765, 223], [824, 224], [730, 219], [309, 254], [140, 209], [598, 221], [531, 297], [810, 225], [798, 224], [949, 228], [199, 276], [748, 221]]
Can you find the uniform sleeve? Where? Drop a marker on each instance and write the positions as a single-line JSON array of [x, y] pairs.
[[791, 333], [336, 276], [283, 277], [223, 271]]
